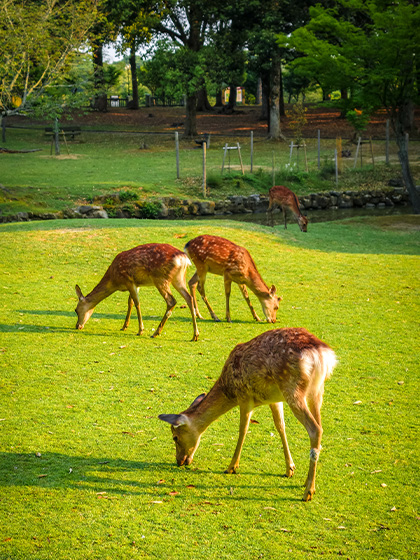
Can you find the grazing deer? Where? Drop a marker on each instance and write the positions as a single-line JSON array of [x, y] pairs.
[[287, 364], [220, 256], [286, 199], [154, 264]]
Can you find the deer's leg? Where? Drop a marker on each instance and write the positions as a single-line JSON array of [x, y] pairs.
[[127, 317], [193, 286], [270, 219], [228, 286], [278, 416], [200, 287], [244, 291], [284, 214], [165, 292], [181, 288], [246, 413], [303, 414], [134, 299]]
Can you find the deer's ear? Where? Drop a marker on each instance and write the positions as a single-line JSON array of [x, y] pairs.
[[198, 400], [272, 290], [79, 292], [175, 420]]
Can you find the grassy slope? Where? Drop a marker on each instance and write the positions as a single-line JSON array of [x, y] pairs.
[[106, 485]]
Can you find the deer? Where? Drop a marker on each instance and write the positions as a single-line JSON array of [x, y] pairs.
[[286, 200], [153, 264], [281, 365], [216, 255]]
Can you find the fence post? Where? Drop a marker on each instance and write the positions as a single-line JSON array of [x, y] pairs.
[[252, 150], [177, 154], [357, 152], [319, 149], [204, 169], [272, 170], [387, 143], [406, 141], [336, 166]]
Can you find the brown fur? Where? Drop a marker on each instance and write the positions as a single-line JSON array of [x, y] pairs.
[[286, 200], [290, 365], [216, 255], [153, 264]]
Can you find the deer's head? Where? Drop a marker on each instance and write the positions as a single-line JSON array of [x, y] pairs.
[[270, 304], [83, 309]]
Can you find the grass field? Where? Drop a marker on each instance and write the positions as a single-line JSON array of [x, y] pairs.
[[87, 471], [102, 163]]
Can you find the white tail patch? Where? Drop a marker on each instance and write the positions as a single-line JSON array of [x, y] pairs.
[[318, 364]]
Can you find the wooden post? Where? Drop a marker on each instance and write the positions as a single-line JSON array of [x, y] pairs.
[[339, 149], [387, 143], [224, 157], [252, 150], [336, 166], [291, 152], [357, 152], [177, 154], [306, 157], [319, 149], [204, 169], [371, 151], [240, 158]]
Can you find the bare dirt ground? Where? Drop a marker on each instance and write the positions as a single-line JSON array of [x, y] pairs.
[[165, 119]]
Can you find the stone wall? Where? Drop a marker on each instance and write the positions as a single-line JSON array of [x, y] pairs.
[[174, 208]]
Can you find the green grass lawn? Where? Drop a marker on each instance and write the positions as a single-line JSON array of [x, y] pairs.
[[87, 471]]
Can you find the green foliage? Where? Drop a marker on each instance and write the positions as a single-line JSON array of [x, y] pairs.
[[150, 210], [126, 196], [358, 119], [88, 471], [38, 39]]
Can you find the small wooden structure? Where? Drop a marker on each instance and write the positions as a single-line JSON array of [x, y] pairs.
[[226, 150]]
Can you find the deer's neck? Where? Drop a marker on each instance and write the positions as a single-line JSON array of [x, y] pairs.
[[214, 405], [257, 284], [101, 291]]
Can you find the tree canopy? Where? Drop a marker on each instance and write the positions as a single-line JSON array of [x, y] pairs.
[[37, 39]]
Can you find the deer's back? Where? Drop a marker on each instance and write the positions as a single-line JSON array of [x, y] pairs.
[[282, 195], [144, 263], [219, 255], [267, 364]]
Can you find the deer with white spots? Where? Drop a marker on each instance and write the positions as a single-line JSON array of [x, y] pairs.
[[286, 200], [282, 365], [153, 264], [217, 255]]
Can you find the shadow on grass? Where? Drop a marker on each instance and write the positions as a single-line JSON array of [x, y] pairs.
[[103, 475]]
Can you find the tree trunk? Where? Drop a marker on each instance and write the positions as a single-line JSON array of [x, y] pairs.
[[265, 99], [258, 93], [99, 101], [202, 100], [406, 173], [219, 98], [191, 115], [282, 108], [232, 98], [275, 130], [134, 104]]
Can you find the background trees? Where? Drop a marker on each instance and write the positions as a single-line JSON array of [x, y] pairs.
[[372, 48], [38, 40]]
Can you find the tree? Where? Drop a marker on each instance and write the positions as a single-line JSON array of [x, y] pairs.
[[187, 24], [376, 54], [38, 39]]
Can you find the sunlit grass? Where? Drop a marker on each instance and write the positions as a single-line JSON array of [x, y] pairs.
[[88, 471]]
